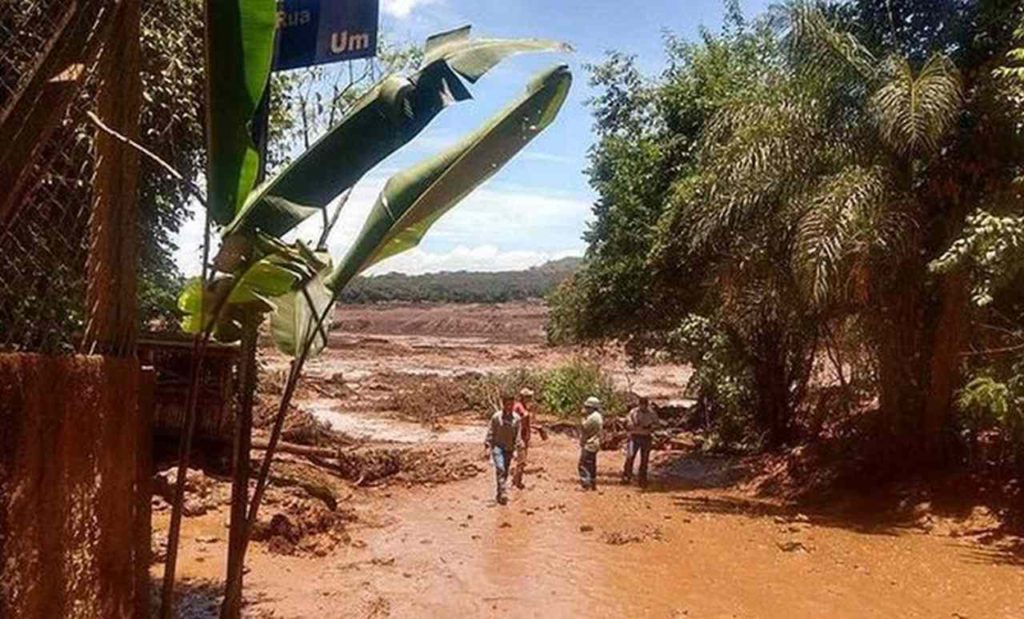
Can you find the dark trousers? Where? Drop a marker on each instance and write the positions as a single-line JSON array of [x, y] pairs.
[[588, 469], [637, 443]]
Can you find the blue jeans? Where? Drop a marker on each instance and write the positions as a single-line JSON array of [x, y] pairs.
[[588, 469], [502, 459], [637, 443]]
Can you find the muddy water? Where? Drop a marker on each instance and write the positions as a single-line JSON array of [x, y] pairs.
[[371, 426], [692, 550]]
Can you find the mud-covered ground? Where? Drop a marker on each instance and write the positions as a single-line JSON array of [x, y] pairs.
[[397, 519]]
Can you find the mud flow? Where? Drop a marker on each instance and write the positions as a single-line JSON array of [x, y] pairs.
[[403, 522]]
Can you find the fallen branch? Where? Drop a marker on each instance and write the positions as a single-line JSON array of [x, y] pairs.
[[298, 450]]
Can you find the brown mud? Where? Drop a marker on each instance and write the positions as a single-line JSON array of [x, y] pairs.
[[428, 540]]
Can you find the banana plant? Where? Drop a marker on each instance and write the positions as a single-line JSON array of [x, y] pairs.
[[255, 272], [391, 114]]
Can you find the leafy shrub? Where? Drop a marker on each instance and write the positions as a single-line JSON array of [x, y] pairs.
[[566, 387], [988, 404], [721, 381]]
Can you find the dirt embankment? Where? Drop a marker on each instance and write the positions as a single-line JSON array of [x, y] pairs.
[[519, 322]]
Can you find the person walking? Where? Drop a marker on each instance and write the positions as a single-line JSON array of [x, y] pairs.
[[527, 427], [591, 429], [503, 436], [641, 422]]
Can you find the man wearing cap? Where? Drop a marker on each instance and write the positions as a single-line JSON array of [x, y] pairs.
[[590, 442], [503, 436], [640, 423], [522, 408]]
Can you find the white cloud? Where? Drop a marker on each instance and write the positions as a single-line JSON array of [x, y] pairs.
[[479, 258], [402, 8], [548, 158], [500, 226]]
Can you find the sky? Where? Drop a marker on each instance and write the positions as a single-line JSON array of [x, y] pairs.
[[537, 207]]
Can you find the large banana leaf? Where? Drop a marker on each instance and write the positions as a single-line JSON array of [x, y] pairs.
[[413, 200], [385, 119], [297, 314], [239, 52]]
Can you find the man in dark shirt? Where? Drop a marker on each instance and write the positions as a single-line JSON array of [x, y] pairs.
[[503, 437]]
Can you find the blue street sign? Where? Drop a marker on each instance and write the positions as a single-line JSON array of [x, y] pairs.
[[312, 32]]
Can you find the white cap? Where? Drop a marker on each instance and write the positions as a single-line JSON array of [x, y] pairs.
[[592, 402], [526, 392]]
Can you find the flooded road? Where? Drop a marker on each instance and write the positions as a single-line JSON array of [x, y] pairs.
[[686, 549]]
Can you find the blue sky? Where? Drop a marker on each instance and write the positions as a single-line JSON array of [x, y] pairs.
[[536, 208]]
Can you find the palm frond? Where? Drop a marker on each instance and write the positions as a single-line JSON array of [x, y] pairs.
[[843, 219], [756, 155], [914, 113], [822, 49]]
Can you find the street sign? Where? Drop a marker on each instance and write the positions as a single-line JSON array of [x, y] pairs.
[[312, 32]]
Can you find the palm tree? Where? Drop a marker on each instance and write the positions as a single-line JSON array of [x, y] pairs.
[[863, 164]]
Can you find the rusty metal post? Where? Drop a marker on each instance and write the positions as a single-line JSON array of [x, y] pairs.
[[111, 265]]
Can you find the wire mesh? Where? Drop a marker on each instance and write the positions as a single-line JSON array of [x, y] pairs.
[[44, 244]]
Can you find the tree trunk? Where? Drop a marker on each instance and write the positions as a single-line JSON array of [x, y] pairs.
[[771, 382], [113, 232], [945, 368], [920, 335]]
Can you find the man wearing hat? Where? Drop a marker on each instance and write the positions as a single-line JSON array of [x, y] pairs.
[[590, 442]]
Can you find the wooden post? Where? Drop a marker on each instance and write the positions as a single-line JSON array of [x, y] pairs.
[[111, 265], [247, 380], [144, 491], [231, 607]]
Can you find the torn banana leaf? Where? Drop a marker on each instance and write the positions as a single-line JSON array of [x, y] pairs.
[[381, 122], [240, 50], [413, 200]]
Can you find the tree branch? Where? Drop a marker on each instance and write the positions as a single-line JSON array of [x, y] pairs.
[[193, 189]]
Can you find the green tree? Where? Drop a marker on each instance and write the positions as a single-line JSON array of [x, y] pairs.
[[825, 175]]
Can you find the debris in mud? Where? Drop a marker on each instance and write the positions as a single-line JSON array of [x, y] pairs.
[[202, 493], [619, 538], [792, 546], [158, 548], [303, 527], [412, 465], [427, 399], [300, 426], [305, 511], [586, 528]]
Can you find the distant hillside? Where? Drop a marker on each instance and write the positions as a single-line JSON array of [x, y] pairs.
[[462, 286]]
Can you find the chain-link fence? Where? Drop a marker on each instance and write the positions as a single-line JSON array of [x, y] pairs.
[[44, 226]]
